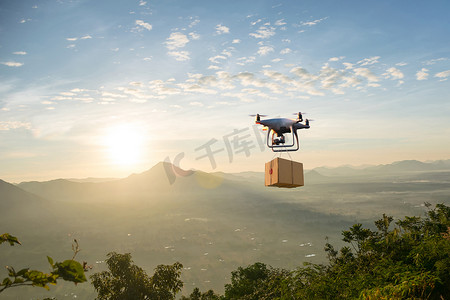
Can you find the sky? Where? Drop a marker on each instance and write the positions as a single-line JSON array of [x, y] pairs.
[[108, 88]]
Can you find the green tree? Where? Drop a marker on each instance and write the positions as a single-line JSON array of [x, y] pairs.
[[258, 281], [125, 280], [197, 295], [68, 270], [410, 260]]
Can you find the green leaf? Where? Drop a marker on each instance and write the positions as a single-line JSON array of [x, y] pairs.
[[6, 237], [71, 270], [11, 271], [6, 281], [50, 260], [22, 272], [19, 280]]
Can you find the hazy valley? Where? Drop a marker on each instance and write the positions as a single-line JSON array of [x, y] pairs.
[[210, 222]]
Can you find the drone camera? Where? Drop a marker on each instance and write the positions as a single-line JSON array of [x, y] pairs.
[[279, 140]]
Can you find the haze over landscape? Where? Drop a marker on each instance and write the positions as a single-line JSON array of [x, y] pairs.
[[125, 125], [211, 222]]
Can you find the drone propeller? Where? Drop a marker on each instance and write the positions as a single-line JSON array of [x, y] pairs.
[[307, 121], [257, 119], [299, 115]]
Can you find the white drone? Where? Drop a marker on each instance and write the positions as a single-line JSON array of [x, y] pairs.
[[280, 126]]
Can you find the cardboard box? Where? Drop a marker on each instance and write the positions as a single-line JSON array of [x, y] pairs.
[[284, 173]]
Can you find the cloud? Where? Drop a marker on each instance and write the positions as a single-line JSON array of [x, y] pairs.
[[176, 40], [422, 74], [86, 37], [214, 59], [350, 81], [165, 90], [277, 76], [312, 23], [60, 98], [433, 61], [221, 29], [179, 55], [366, 73], [264, 50], [113, 95], [247, 79], [245, 60], [221, 80], [196, 103], [348, 65], [194, 36], [143, 24], [195, 88], [263, 32], [142, 3], [280, 22], [20, 53], [443, 75], [227, 52], [285, 51], [336, 58], [67, 94], [12, 64], [78, 90], [137, 95], [193, 23], [255, 92], [329, 77], [393, 73], [236, 41], [303, 73], [10, 125], [72, 39], [369, 61], [256, 22]]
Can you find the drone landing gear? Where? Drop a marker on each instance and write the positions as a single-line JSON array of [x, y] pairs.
[[278, 143]]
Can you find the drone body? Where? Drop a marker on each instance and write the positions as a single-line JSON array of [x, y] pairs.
[[280, 126]]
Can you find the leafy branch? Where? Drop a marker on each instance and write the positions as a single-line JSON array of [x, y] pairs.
[[68, 270]]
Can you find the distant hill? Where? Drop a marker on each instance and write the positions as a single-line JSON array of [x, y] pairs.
[[18, 207], [159, 182], [90, 179], [314, 176], [11, 196], [164, 180], [387, 169]]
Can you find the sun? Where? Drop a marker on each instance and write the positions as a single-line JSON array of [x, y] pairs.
[[124, 144]]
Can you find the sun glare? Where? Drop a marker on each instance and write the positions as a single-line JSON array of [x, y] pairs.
[[124, 144]]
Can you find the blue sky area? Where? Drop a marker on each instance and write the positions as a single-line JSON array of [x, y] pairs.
[[108, 88]]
